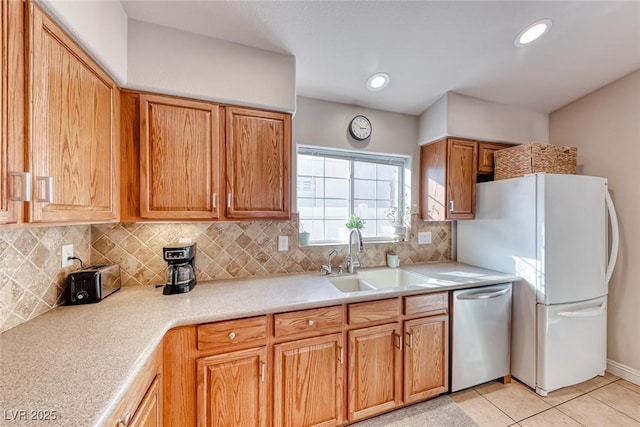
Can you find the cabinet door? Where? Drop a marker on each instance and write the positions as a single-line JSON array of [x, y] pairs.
[[308, 382], [232, 389], [426, 357], [433, 181], [12, 178], [258, 152], [461, 179], [375, 370], [179, 158], [73, 129], [149, 413], [485, 156]]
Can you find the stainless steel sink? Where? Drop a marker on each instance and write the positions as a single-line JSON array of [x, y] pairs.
[[379, 279]]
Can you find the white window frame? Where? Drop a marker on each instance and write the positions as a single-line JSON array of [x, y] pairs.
[[404, 178]]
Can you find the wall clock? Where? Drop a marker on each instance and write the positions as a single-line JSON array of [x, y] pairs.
[[360, 128]]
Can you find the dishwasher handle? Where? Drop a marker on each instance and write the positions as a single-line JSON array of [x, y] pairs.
[[483, 295]]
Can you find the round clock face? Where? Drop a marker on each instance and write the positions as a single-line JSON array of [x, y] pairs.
[[360, 128]]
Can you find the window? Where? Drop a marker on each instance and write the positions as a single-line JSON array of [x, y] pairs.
[[334, 184]]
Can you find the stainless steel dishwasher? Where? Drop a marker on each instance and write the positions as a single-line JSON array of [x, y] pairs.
[[480, 335]]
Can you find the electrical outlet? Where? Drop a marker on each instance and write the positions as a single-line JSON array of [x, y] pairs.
[[283, 243], [424, 237], [67, 251]]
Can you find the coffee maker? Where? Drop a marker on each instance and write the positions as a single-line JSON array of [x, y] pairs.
[[181, 274]]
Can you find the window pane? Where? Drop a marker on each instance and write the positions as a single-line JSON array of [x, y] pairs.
[[364, 189], [337, 208], [337, 168], [309, 186], [337, 188], [364, 170], [311, 165], [387, 172], [386, 190]]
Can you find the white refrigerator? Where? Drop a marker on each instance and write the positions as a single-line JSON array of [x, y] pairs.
[[552, 231]]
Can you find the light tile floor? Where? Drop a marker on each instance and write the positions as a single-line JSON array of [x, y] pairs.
[[601, 401]]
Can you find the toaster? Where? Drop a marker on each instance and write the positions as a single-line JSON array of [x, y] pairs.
[[92, 284]]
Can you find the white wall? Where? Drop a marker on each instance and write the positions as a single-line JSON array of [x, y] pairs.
[[99, 26], [468, 117], [605, 126], [324, 124], [161, 59]]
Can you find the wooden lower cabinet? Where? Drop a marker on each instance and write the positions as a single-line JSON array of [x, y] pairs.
[[232, 389], [426, 357], [308, 382], [149, 413], [375, 370]]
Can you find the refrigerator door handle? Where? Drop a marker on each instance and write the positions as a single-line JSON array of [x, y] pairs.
[[483, 295], [583, 313], [615, 238]]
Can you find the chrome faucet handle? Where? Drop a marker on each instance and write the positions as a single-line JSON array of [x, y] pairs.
[[340, 269], [325, 269], [331, 255]]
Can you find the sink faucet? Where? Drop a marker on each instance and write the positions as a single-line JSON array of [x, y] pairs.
[[351, 263], [326, 268]]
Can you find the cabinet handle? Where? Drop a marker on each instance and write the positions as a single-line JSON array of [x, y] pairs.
[[409, 339], [232, 335], [215, 201], [124, 421], [450, 205], [25, 193], [399, 344], [48, 189], [311, 322], [340, 354], [229, 200], [263, 367]]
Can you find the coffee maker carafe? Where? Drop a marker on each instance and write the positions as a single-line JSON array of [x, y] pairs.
[[181, 275]]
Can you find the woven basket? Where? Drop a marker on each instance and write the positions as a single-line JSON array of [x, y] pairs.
[[534, 157]]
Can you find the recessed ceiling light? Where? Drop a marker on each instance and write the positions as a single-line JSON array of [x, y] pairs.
[[378, 81], [532, 32]]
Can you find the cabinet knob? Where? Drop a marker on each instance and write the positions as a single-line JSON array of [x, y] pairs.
[[232, 335], [311, 322], [125, 420]]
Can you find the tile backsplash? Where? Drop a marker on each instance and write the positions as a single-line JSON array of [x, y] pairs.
[[32, 281], [244, 249], [31, 278]]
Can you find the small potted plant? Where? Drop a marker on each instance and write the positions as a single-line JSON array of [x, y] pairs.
[[393, 259], [355, 222], [400, 218]]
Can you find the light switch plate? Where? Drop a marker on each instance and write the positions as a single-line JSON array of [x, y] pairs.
[[424, 237], [67, 251], [283, 243]]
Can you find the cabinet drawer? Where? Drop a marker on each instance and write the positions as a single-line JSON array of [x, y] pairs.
[[427, 304], [233, 334], [325, 319], [374, 311]]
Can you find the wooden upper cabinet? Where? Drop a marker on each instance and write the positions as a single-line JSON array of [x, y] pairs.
[[448, 179], [485, 156], [461, 179], [13, 180], [179, 158], [73, 134], [258, 158]]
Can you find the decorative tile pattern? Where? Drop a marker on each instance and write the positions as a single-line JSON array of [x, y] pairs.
[[31, 279], [244, 249]]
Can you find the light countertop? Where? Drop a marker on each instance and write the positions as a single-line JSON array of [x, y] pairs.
[[79, 360]]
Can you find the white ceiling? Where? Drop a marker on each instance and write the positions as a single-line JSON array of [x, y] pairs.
[[428, 47]]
